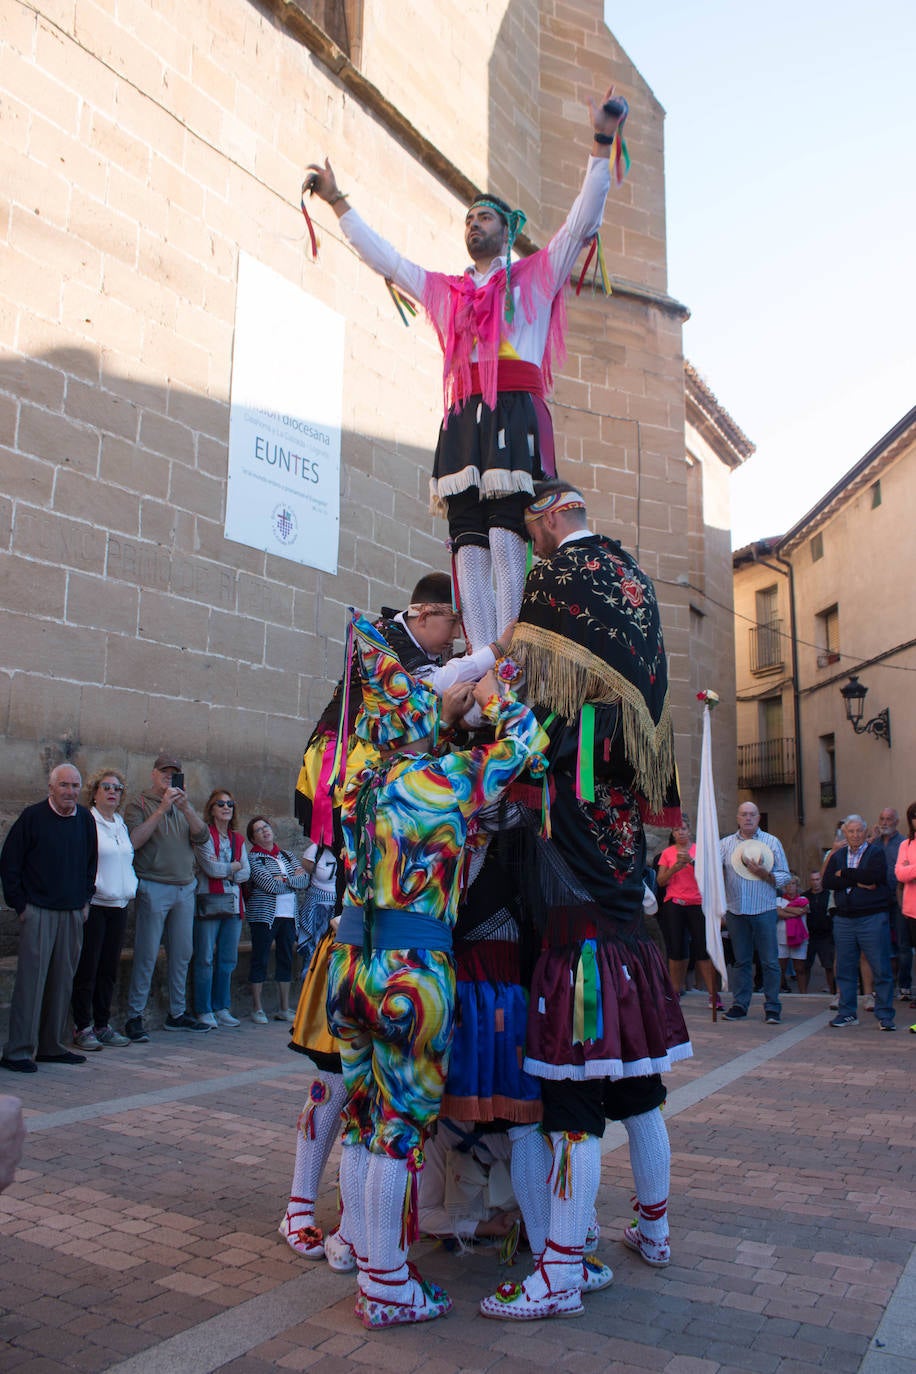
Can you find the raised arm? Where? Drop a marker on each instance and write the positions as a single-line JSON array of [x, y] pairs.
[[375, 251], [587, 211]]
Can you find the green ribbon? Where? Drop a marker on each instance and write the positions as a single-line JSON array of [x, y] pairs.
[[585, 768]]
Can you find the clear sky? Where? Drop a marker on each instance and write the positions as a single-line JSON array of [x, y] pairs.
[[791, 185]]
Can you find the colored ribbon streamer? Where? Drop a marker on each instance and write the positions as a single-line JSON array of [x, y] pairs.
[[317, 1095], [323, 804], [585, 997], [546, 826], [561, 1169], [402, 303], [620, 155], [410, 1217], [585, 762], [311, 229], [600, 274], [510, 1244], [339, 766]]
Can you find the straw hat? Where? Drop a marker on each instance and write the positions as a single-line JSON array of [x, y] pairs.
[[757, 852]]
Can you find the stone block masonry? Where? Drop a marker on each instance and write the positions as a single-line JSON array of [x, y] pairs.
[[144, 149]]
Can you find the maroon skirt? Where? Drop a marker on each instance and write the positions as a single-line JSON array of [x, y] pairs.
[[603, 1008]]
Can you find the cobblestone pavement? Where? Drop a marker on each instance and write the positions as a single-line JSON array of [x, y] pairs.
[[140, 1234]]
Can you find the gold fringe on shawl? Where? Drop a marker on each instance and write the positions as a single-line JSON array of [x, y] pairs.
[[563, 676]]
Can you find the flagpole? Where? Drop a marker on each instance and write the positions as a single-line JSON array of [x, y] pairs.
[[708, 862]]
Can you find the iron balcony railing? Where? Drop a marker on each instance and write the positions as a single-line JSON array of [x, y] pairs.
[[767, 763], [767, 647]]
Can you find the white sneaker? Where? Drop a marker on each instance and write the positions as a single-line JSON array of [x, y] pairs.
[[287, 1015], [259, 1017], [868, 1002], [86, 1039], [207, 1018], [835, 1004], [224, 1017]]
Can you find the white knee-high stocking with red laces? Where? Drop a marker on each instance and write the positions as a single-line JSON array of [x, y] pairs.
[[386, 1276], [650, 1160], [574, 1181], [354, 1169], [316, 1131], [529, 1167]]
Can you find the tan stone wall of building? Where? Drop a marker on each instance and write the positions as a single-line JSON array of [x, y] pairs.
[[142, 149], [861, 541], [777, 803]]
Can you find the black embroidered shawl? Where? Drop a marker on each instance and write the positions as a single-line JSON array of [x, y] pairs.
[[589, 631]]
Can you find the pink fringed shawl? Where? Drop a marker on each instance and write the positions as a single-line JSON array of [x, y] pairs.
[[464, 315]]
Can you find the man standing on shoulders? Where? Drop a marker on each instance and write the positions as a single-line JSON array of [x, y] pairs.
[[889, 838], [163, 828], [755, 869], [48, 867], [857, 875]]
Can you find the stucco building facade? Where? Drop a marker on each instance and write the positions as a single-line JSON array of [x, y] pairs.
[[814, 607]]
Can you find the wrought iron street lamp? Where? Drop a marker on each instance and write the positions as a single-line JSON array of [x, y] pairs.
[[854, 694]]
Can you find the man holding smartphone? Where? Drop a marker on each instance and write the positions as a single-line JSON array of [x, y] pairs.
[[163, 827]]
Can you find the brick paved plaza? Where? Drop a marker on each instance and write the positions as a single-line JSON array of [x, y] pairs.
[[140, 1234]]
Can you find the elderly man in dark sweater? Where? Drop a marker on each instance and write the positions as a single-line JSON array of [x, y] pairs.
[[48, 867], [857, 875]]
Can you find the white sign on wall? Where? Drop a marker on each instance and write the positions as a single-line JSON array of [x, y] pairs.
[[284, 420]]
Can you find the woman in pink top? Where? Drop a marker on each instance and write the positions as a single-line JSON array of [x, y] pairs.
[[905, 873], [682, 912], [905, 870]]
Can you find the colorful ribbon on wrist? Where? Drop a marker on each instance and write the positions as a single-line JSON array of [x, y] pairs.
[[619, 156]]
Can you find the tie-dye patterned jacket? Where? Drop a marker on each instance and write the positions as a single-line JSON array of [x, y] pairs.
[[405, 821]]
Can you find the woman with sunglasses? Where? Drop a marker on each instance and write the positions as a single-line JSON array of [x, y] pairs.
[[103, 933], [222, 864]]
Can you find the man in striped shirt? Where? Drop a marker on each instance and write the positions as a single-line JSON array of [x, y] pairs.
[[751, 915]]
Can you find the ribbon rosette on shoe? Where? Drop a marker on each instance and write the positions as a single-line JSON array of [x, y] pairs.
[[508, 1292]]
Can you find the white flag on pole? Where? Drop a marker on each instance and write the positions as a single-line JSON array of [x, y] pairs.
[[708, 864]]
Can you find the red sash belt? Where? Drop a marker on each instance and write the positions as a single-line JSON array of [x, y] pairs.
[[512, 375]]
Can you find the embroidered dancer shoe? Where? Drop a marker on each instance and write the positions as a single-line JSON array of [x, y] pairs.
[[511, 1303], [591, 1238], [654, 1252], [595, 1276], [306, 1238], [417, 1300], [339, 1253]]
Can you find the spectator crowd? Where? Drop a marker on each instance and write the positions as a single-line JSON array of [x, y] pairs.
[[69, 871]]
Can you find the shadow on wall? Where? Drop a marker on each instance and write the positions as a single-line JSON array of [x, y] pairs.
[[129, 623]]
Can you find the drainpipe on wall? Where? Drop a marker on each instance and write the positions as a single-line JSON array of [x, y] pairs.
[[787, 571]]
